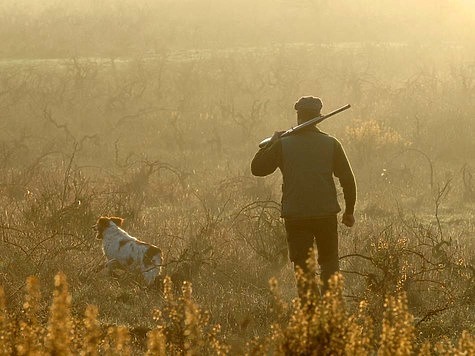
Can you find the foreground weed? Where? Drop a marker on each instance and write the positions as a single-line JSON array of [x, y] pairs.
[[397, 337], [60, 323], [184, 327], [92, 335], [117, 341], [317, 325], [5, 327], [31, 333]]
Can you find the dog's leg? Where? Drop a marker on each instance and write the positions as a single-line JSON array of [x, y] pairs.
[[110, 265], [151, 275]]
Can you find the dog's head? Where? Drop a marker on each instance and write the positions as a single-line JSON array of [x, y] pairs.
[[104, 222]]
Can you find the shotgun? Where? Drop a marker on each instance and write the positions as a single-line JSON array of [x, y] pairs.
[[311, 122]]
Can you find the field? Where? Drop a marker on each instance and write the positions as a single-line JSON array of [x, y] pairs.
[[153, 112]]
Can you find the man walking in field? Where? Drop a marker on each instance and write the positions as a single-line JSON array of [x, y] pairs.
[[308, 160]]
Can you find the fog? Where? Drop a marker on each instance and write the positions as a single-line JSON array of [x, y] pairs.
[[51, 29], [153, 110]]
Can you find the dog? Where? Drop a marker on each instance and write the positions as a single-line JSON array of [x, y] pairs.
[[123, 250]]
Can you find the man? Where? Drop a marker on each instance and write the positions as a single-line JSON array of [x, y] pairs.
[[308, 160]]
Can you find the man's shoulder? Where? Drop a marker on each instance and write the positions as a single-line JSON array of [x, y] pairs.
[[331, 141], [328, 137], [324, 134], [311, 135]]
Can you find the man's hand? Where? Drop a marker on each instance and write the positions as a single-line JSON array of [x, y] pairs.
[[348, 219], [275, 137]]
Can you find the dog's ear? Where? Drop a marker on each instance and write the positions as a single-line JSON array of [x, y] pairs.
[[102, 223], [117, 221]]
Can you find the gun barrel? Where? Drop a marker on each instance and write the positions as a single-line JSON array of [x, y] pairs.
[[311, 122]]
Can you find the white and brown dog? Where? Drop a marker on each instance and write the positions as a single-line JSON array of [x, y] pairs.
[[123, 250]]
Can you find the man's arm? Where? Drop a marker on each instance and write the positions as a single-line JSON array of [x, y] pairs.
[[342, 170], [268, 158]]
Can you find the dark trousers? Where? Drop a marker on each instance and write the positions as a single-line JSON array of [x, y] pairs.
[[301, 235]]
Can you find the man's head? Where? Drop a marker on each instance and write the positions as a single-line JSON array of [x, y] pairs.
[[307, 108]]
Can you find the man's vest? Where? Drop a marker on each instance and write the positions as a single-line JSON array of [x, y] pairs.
[[308, 190]]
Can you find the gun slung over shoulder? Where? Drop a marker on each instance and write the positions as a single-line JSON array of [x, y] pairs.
[[313, 121]]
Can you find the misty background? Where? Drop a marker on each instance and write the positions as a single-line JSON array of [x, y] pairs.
[[51, 29], [153, 110]]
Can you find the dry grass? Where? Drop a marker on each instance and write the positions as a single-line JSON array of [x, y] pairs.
[[320, 326], [127, 124]]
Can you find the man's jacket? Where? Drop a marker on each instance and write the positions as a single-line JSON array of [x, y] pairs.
[[308, 160]]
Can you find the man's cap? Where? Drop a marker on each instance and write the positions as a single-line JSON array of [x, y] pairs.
[[309, 103]]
